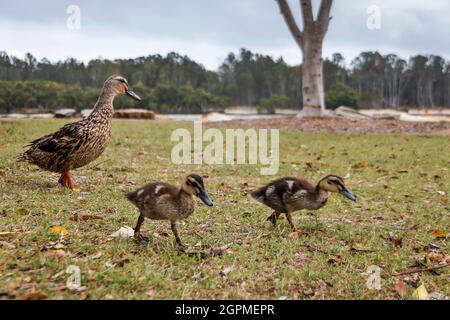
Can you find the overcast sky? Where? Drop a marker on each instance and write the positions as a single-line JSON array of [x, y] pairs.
[[207, 30]]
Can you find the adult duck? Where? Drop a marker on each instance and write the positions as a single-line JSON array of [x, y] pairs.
[[79, 143]]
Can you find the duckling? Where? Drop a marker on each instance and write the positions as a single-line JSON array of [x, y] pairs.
[[79, 143], [163, 201], [290, 194]]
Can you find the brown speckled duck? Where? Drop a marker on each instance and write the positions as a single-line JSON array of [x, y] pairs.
[[290, 194], [79, 143], [163, 201]]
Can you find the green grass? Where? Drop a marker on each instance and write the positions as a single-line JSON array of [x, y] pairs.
[[397, 185]]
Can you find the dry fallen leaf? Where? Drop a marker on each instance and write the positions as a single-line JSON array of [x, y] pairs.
[[295, 235], [400, 287], [230, 251], [421, 293], [397, 242], [435, 256], [439, 233], [33, 295], [59, 230], [335, 259], [54, 253], [362, 164], [85, 217]]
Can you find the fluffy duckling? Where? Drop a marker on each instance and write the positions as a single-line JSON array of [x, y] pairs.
[[79, 143], [163, 201], [290, 194]]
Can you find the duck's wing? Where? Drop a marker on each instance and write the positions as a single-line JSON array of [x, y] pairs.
[[272, 195], [297, 190], [61, 139], [151, 194], [278, 194]]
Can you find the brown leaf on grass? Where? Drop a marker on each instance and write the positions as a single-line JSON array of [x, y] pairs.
[[336, 259], [55, 253], [295, 235], [435, 256], [230, 251], [400, 287], [33, 295], [362, 164], [396, 241], [85, 217], [439, 233]]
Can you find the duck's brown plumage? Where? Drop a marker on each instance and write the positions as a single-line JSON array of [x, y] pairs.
[[79, 143], [290, 194], [163, 201]]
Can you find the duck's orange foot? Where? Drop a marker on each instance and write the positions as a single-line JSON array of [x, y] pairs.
[[66, 180]]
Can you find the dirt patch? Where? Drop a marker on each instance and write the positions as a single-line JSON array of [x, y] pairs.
[[339, 125]]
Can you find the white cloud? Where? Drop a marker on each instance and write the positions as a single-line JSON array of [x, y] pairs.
[[208, 30]]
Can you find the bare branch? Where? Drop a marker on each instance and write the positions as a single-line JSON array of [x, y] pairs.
[[290, 21], [307, 13], [323, 17]]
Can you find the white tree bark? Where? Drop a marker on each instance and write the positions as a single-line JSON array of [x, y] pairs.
[[312, 80], [310, 42]]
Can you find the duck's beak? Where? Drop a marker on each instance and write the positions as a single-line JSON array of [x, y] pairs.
[[203, 195], [347, 194], [131, 93]]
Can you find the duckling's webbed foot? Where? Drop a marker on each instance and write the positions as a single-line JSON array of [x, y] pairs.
[[273, 218], [137, 232], [139, 238]]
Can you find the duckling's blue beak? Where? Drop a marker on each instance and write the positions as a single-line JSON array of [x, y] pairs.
[[131, 93], [203, 195], [347, 194]]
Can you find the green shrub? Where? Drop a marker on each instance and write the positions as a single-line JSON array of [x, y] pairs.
[[341, 95], [269, 105]]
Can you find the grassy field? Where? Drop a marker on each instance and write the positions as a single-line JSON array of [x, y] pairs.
[[402, 184]]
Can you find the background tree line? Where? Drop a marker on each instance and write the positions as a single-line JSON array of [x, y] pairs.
[[175, 83]]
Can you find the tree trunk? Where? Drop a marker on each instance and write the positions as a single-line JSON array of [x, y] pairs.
[[312, 80], [310, 42]]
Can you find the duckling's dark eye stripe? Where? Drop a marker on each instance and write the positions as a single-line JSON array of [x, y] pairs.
[[338, 183], [194, 184]]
